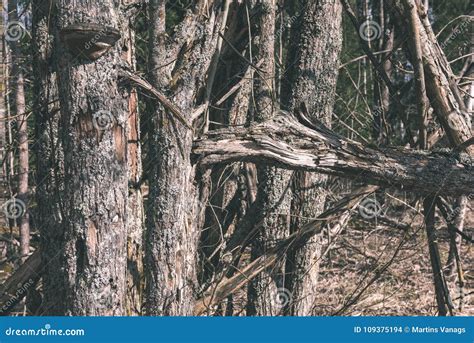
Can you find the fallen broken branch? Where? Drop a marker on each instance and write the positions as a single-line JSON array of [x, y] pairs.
[[17, 285], [286, 142]]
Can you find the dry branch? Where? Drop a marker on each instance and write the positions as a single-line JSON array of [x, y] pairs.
[[337, 216], [16, 286], [138, 81], [289, 144]]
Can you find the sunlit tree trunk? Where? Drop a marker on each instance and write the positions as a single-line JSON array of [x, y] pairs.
[[18, 87], [313, 69], [90, 235]]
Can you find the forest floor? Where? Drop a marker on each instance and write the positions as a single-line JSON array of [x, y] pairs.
[[349, 280], [349, 271]]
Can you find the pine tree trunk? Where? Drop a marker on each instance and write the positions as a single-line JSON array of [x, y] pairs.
[[174, 211], [135, 215], [18, 86], [313, 66], [92, 132], [273, 197], [3, 117]]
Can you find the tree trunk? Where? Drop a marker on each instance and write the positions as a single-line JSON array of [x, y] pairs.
[[442, 91], [438, 277], [461, 203], [312, 66], [273, 197], [92, 130], [18, 87], [174, 214], [135, 215], [3, 118], [49, 162]]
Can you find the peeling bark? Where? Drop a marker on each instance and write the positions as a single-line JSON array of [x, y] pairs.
[[135, 217], [286, 143], [175, 209], [92, 130]]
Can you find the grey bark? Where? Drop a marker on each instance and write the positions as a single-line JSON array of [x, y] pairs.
[[174, 210], [273, 195], [92, 130], [3, 116], [3, 110], [312, 69], [18, 87], [135, 278], [287, 143]]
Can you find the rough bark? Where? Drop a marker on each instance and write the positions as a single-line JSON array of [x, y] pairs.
[[135, 215], [273, 196], [18, 87], [285, 142], [92, 129], [312, 70], [173, 216], [3, 118], [3, 108]]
